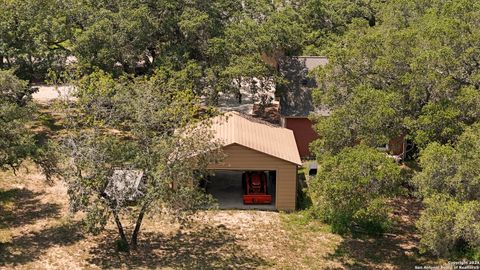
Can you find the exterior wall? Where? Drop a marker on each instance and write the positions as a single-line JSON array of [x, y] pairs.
[[242, 158], [304, 133], [396, 146]]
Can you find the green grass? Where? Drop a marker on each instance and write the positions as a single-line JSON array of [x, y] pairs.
[[304, 222], [310, 240]]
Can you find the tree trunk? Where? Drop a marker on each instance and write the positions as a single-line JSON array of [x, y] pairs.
[[138, 224], [372, 21], [239, 92], [121, 232]]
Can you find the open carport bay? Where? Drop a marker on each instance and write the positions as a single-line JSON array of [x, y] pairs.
[[227, 188]]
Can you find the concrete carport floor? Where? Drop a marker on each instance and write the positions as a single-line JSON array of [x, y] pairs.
[[226, 188]]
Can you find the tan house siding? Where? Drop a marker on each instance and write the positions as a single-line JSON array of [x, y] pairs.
[[242, 158], [286, 188]]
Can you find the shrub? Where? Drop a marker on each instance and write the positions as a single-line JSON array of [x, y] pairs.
[[449, 227], [303, 198], [436, 225], [121, 246], [352, 187], [374, 217], [467, 224], [439, 166], [449, 183]]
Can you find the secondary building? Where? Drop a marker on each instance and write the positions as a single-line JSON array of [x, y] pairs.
[[254, 148]]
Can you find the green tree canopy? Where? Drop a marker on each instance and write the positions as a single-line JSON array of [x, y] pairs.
[[428, 61], [227, 40], [369, 118], [138, 125], [16, 141], [34, 36], [452, 170]]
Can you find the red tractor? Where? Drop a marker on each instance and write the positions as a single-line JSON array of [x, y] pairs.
[[256, 190]]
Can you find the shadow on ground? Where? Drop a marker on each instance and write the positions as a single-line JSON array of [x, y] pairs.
[[207, 248], [20, 207], [29, 247], [395, 250]]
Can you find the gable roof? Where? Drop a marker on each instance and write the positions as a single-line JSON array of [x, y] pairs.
[[236, 128], [296, 96]]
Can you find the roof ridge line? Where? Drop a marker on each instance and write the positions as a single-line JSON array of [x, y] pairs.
[[255, 120]]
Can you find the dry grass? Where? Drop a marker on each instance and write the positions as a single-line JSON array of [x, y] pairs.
[[397, 249], [37, 232]]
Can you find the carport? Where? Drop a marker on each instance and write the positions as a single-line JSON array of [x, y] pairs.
[[228, 188], [254, 145]]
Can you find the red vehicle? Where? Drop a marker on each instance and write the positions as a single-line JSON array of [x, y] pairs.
[[256, 190]]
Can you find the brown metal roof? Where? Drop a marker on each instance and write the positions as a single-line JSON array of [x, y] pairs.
[[235, 128]]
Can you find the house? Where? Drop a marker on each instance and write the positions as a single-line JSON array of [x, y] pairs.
[[251, 144], [296, 101]]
